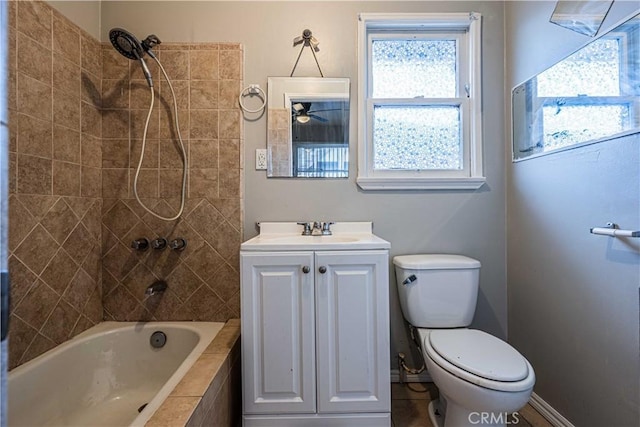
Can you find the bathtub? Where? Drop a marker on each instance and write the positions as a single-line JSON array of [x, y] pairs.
[[106, 375]]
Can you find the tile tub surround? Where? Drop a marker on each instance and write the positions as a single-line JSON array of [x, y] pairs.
[[203, 279], [75, 134], [55, 168], [209, 394]]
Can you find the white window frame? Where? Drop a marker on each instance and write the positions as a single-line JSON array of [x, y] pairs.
[[471, 177]]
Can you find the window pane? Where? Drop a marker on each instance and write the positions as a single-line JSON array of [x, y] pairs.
[[417, 138], [592, 71], [580, 123], [413, 68]]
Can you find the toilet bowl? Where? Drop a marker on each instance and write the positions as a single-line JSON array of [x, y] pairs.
[[479, 387], [482, 380]]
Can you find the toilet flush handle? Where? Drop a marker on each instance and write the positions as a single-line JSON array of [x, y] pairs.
[[410, 279]]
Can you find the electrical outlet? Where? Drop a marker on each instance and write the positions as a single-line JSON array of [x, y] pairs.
[[261, 159]]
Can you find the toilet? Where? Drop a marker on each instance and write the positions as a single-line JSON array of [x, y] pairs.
[[482, 380]]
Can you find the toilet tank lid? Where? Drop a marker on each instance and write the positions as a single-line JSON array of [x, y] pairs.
[[435, 262]]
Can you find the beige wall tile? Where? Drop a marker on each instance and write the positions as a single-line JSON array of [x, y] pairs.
[[114, 65], [66, 144], [171, 153], [91, 120], [231, 64], [34, 97], [34, 59], [175, 63], [91, 88], [203, 153], [180, 88], [140, 94], [34, 20], [203, 94], [91, 55], [228, 96], [229, 154], [203, 124], [115, 153], [91, 151], [229, 124], [60, 323], [66, 178], [115, 183], [36, 250], [34, 175], [168, 129], [66, 39], [151, 153], [203, 183], [66, 110], [137, 124], [115, 94], [115, 123], [204, 64], [91, 182], [66, 75], [34, 136]]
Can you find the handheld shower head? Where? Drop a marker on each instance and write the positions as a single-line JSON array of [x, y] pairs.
[[130, 47]]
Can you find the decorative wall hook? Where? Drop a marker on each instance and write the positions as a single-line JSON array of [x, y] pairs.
[[307, 40]]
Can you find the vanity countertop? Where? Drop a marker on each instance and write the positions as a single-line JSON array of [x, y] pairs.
[[287, 236]]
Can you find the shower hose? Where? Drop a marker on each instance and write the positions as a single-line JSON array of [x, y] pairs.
[[144, 143]]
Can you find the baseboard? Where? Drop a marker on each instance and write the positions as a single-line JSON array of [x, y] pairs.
[[422, 377], [547, 411]]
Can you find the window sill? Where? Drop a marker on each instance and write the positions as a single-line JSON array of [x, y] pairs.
[[466, 183]]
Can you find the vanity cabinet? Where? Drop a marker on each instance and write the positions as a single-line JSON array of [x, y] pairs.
[[315, 338]]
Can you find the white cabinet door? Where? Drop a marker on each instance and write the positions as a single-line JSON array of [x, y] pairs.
[[352, 325], [278, 329]]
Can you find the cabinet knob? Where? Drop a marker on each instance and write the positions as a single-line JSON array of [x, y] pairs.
[[306, 269], [322, 269]]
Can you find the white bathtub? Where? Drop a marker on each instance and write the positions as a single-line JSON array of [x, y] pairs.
[[104, 375]]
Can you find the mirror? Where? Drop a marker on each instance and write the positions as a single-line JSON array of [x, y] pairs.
[[590, 96], [308, 127]]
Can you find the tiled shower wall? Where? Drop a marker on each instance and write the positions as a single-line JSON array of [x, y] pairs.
[[75, 134], [203, 280], [55, 180]]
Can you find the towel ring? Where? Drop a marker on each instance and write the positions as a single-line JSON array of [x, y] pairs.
[[253, 90]]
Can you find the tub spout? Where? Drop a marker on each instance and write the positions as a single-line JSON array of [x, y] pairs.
[[156, 288]]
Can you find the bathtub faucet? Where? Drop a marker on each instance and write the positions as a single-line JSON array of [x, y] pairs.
[[156, 288]]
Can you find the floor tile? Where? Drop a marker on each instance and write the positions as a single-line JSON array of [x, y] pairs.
[[409, 407]]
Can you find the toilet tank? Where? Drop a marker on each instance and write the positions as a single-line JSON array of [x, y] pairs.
[[437, 291]]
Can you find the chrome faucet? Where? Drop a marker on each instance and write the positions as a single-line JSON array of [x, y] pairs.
[[156, 287], [309, 229], [326, 228]]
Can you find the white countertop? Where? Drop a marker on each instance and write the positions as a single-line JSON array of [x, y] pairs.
[[287, 236]]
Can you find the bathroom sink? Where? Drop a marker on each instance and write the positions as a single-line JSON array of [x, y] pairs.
[[297, 239], [275, 236]]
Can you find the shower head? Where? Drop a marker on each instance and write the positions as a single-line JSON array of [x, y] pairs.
[[126, 43], [130, 47]]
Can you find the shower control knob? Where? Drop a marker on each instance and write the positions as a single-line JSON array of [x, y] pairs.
[[159, 243], [322, 269], [306, 269], [178, 244], [141, 244]]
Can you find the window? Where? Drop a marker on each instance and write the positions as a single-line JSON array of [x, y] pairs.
[[419, 102]]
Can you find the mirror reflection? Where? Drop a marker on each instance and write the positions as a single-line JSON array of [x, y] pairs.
[[308, 127], [592, 95]]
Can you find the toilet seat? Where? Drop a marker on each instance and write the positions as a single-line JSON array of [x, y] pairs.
[[478, 358]]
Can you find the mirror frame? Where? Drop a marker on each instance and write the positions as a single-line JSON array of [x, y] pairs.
[[282, 93], [525, 115]]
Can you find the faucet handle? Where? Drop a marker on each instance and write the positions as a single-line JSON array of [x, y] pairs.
[[306, 231], [178, 244], [326, 228], [141, 244]]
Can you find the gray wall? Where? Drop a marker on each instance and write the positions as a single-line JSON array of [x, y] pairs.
[[573, 297], [470, 223], [85, 14]]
